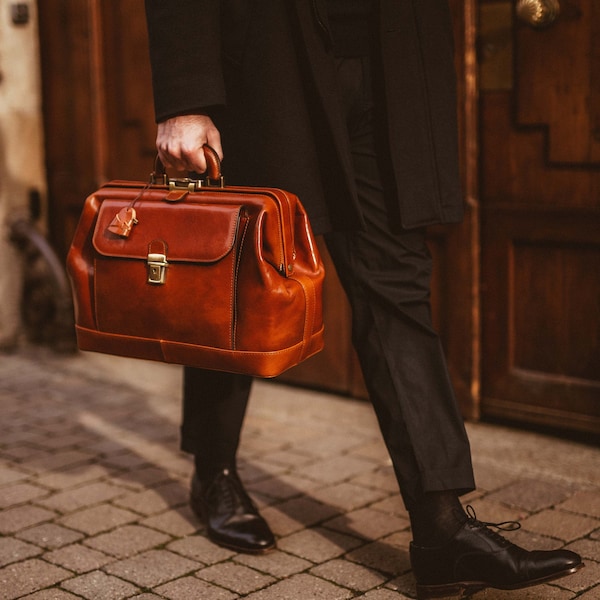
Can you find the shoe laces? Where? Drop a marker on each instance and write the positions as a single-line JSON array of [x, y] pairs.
[[229, 489], [486, 525]]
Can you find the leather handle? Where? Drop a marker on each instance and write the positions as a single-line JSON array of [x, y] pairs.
[[213, 167], [213, 163]]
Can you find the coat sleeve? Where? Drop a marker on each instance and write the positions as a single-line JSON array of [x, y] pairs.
[[185, 55]]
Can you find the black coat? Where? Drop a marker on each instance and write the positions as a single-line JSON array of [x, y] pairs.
[[263, 70]]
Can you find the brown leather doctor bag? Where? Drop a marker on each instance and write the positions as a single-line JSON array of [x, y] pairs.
[[198, 274]]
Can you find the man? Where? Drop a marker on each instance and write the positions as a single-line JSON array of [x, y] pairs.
[[351, 105]]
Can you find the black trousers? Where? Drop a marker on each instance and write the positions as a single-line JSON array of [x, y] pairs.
[[385, 273]]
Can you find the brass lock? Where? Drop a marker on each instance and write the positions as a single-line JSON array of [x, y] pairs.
[[157, 268]]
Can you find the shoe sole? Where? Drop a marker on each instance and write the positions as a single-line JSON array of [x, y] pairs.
[[465, 589], [235, 548]]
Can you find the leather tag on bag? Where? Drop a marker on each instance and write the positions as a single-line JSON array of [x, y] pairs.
[[123, 222]]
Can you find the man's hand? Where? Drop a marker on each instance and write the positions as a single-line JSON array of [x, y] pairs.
[[179, 142]]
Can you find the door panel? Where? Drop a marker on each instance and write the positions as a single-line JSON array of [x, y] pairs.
[[540, 198], [66, 52]]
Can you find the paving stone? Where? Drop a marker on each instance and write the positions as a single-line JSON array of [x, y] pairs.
[[301, 587], [367, 523], [383, 594], [540, 592], [86, 495], [584, 502], [318, 545], [19, 493], [62, 480], [185, 588], [349, 574], [254, 444], [586, 548], [13, 550], [200, 549], [62, 442], [59, 460], [488, 510], [100, 586], [152, 568], [491, 476], [127, 540], [289, 457], [125, 461], [338, 468], [179, 466], [387, 556], [560, 524], [374, 450], [518, 474], [592, 594], [531, 540], [259, 469], [78, 558], [178, 523], [29, 576], [52, 594], [156, 500], [392, 505], [276, 563], [582, 579], [17, 454], [531, 495], [8, 475], [405, 584], [382, 479], [104, 517], [105, 447], [331, 444], [347, 496], [237, 578], [50, 535], [16, 519], [143, 478], [291, 485], [280, 488], [296, 514]]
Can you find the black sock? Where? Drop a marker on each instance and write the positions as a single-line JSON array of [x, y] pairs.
[[207, 470], [436, 518]]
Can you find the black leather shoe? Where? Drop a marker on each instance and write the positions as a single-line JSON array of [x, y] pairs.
[[477, 558], [231, 518]]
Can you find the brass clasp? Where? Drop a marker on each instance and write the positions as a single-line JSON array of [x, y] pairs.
[[157, 262], [157, 268]]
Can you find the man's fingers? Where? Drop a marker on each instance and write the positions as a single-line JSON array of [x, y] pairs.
[[179, 142], [183, 160]]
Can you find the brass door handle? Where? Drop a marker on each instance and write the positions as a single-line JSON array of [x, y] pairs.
[[538, 13]]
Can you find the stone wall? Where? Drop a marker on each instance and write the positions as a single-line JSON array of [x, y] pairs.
[[21, 149]]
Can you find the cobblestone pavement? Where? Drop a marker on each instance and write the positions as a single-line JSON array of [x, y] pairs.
[[93, 492]]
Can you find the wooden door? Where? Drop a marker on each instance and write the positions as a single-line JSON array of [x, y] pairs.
[[540, 202], [98, 113]]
